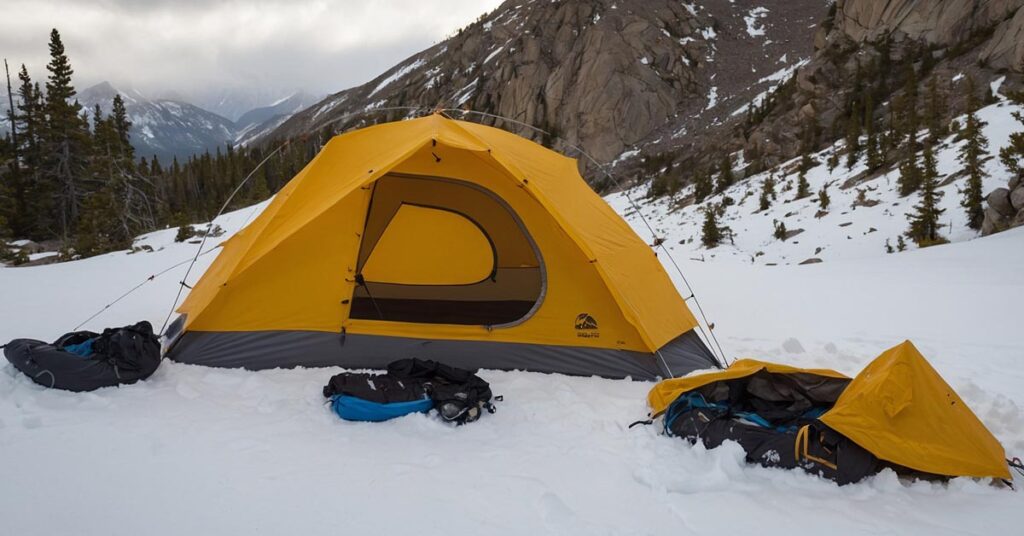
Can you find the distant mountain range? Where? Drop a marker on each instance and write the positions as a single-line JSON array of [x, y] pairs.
[[172, 128]]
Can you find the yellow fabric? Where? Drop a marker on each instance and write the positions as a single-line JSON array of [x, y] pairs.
[[294, 266], [901, 410], [429, 246], [665, 392], [898, 408]]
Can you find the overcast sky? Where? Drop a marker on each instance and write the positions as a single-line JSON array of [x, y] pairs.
[[190, 46]]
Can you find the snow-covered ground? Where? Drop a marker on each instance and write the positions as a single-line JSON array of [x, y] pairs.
[[845, 231], [196, 450]]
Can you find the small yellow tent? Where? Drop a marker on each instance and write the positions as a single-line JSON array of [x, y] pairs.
[[898, 408], [441, 239]]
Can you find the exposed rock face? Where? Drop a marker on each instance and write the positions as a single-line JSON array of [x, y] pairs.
[[608, 75], [941, 23], [656, 85]]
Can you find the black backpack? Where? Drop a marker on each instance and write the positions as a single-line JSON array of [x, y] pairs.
[[459, 395], [132, 348]]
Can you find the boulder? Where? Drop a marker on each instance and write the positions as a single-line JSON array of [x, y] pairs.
[[993, 222], [999, 200], [1017, 198], [1014, 183], [1018, 220]]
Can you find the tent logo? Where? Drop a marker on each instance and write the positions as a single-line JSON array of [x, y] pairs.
[[586, 326]]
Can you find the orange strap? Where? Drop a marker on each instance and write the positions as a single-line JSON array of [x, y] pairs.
[[801, 445]]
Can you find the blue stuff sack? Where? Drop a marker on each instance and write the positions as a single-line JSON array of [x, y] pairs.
[[352, 408]]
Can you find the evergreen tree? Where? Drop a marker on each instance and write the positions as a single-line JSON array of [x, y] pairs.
[[823, 199], [924, 221], [910, 175], [711, 233], [725, 176], [767, 193], [702, 185], [873, 152], [65, 139], [1012, 156], [972, 95], [803, 188], [971, 157], [911, 121], [937, 127], [32, 199], [852, 142], [780, 231]]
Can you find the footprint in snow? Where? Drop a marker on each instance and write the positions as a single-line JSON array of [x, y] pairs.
[[554, 511]]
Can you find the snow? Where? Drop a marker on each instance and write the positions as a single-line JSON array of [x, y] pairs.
[[844, 232], [775, 79], [712, 98], [494, 53], [755, 28], [197, 450], [396, 75]]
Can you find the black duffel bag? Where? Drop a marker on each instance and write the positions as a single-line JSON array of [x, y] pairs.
[[116, 356]]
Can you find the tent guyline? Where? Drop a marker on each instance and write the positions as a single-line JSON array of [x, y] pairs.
[[137, 287], [634, 205]]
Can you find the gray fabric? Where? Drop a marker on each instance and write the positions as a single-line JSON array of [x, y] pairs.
[[285, 349], [685, 354]]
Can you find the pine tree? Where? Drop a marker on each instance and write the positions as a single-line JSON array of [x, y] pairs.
[[873, 153], [1012, 156], [924, 221], [65, 139], [823, 199], [725, 176], [971, 154], [833, 161], [901, 245], [711, 233], [911, 119], [803, 188], [972, 96], [780, 231], [937, 127], [767, 193], [702, 185], [910, 175], [853, 131]]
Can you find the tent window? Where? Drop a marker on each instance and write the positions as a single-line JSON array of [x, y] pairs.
[[430, 246], [443, 251]]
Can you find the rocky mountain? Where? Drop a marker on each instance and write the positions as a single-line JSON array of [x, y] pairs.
[[171, 128], [161, 127], [261, 120], [614, 76]]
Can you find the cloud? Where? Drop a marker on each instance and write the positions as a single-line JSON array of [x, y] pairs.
[[192, 46]]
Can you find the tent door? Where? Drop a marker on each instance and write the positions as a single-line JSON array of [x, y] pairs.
[[443, 251]]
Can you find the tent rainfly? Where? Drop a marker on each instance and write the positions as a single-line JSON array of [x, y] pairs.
[[439, 239]]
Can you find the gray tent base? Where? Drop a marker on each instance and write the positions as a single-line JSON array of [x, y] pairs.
[[257, 350]]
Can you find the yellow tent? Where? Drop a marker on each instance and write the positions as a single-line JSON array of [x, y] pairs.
[[441, 239], [898, 408]]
